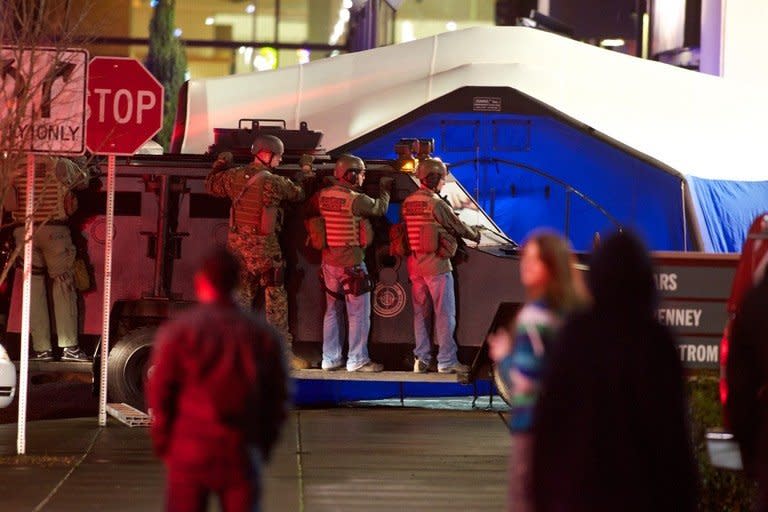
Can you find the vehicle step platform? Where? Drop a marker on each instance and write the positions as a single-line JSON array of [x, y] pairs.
[[385, 376]]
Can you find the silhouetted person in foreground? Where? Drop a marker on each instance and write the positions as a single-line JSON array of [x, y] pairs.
[[218, 395], [747, 377], [522, 353], [610, 429]]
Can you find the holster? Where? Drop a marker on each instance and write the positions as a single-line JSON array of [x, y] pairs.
[[81, 275], [356, 281], [337, 296]]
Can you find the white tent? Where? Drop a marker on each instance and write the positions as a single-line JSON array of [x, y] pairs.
[[700, 126]]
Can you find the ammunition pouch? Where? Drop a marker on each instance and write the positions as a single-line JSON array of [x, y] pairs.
[[398, 240], [316, 233], [356, 282], [82, 275], [269, 220], [365, 232], [429, 238], [272, 277]]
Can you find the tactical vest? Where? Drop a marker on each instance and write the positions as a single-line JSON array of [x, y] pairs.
[[53, 200], [422, 228], [342, 227], [249, 208]]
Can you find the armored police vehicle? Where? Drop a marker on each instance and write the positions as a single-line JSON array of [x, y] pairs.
[[164, 220], [534, 133]]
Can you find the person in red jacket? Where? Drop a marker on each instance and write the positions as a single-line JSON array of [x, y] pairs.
[[218, 395]]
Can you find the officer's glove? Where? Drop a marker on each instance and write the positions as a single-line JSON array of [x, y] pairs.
[[479, 230], [70, 174], [305, 162], [386, 183], [223, 161]]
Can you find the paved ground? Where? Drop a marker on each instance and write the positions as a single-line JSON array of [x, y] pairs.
[[346, 459], [55, 395]]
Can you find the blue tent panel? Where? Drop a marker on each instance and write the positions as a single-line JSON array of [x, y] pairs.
[[528, 171]]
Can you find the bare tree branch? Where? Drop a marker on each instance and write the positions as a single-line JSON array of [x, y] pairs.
[[34, 66]]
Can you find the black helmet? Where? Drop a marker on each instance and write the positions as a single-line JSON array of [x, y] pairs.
[[348, 167], [430, 170], [268, 143]]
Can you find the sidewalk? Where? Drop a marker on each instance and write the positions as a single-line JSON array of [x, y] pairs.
[[328, 460]]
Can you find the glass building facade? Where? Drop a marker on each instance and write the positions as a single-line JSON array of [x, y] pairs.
[[225, 37]]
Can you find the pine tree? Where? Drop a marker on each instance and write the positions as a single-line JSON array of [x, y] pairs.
[[167, 62]]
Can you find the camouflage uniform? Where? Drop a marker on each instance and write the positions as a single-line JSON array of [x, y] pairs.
[[255, 222]]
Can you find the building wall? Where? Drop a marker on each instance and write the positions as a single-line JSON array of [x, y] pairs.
[[743, 47]]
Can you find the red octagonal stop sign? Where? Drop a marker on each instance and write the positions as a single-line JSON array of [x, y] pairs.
[[125, 106]]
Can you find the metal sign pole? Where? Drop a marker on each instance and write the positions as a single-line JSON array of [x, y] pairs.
[[107, 302], [29, 231]]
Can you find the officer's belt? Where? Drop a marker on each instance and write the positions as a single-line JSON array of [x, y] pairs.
[[248, 229], [39, 223]]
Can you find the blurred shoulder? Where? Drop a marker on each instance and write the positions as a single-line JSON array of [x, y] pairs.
[[536, 313]]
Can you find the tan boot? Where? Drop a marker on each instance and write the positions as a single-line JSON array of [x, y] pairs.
[[298, 363]]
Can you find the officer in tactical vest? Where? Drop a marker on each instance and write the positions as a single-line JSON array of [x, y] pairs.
[[52, 251], [344, 209], [255, 221], [432, 229]]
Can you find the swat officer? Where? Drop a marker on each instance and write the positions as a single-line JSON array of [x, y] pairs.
[[344, 209], [254, 223], [432, 229], [53, 251]]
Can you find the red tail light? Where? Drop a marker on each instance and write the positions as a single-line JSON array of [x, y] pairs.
[[723, 362]]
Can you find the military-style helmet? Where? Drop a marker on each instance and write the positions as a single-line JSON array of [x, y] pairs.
[[348, 167], [429, 167], [268, 143]]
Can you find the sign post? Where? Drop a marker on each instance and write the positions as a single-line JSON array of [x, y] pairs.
[[125, 110], [43, 91]]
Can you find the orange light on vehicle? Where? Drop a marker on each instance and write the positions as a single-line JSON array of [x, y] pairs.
[[405, 150]]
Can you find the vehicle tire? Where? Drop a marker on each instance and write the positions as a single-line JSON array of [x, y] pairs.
[[128, 367], [504, 391]]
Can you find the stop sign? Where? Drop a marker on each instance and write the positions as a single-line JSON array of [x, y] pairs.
[[125, 106]]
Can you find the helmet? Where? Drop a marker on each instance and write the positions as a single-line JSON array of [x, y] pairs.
[[431, 167], [348, 167], [268, 143]]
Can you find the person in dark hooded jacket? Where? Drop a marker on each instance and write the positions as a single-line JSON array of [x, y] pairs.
[[218, 395], [610, 429]]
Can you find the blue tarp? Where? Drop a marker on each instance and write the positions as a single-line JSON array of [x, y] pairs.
[[726, 209]]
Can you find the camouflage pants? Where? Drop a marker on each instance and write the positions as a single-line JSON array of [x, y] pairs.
[[261, 277]]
